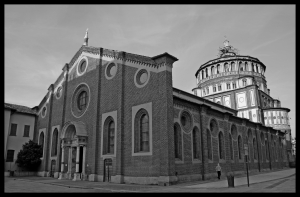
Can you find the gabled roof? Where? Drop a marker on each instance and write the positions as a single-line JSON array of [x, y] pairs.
[[20, 108], [150, 61]]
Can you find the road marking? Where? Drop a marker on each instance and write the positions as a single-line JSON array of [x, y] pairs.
[[275, 184]]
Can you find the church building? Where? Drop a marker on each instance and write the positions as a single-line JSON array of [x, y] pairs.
[[114, 116]]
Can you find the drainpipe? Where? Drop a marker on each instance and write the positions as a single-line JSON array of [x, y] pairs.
[[202, 147], [269, 154]]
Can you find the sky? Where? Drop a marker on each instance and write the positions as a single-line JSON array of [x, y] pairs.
[[40, 39]]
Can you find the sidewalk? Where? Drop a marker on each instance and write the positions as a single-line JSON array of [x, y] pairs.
[[252, 179], [114, 187]]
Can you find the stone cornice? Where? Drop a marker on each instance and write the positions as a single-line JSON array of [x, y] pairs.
[[232, 58]]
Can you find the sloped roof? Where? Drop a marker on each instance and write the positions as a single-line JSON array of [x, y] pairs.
[[20, 108], [129, 56]]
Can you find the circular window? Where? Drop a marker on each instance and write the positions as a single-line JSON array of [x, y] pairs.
[[80, 100], [111, 70], [82, 66], [186, 121], [58, 92], [44, 111], [141, 78]]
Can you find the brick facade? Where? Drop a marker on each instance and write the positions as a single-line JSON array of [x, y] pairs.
[[122, 94]]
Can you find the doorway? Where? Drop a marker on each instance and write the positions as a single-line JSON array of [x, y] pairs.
[[52, 169], [107, 170]]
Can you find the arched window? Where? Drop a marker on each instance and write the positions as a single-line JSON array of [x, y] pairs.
[[256, 68], [221, 146], [212, 70], [54, 142], [41, 142], [247, 142], [240, 146], [228, 86], [283, 152], [141, 136], [255, 148], [244, 82], [246, 66], [252, 65], [234, 85], [209, 151], [280, 148], [177, 142], [241, 66], [206, 70], [230, 146], [226, 66], [202, 74], [196, 143], [219, 87], [232, 66], [214, 88], [218, 69], [109, 136], [267, 149], [144, 133]]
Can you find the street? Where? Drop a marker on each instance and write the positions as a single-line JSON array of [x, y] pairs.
[[15, 185]]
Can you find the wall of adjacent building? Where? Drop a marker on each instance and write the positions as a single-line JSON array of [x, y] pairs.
[[16, 142]]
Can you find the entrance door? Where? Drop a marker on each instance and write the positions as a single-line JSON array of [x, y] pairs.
[[52, 170], [107, 170], [80, 159], [73, 164]]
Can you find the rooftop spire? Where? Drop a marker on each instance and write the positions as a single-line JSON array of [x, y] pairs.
[[85, 39]]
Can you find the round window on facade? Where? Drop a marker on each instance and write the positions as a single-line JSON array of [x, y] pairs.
[[80, 100], [44, 111], [82, 66], [141, 78], [111, 70], [58, 92], [186, 121]]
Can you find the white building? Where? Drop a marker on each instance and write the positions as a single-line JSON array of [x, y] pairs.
[[19, 124]]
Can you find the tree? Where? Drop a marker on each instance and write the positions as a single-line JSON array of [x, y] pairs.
[[30, 156]]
